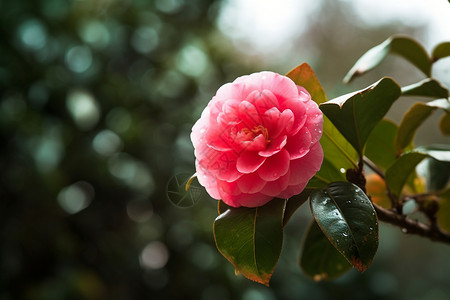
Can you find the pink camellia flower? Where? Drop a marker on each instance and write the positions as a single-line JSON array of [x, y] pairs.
[[257, 139]]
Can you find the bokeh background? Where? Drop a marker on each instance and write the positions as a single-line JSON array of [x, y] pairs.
[[97, 99]]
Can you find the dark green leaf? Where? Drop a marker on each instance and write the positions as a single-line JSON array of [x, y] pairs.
[[222, 207], [251, 238], [403, 46], [320, 259], [356, 114], [427, 88], [440, 51], [444, 124], [348, 219], [294, 203], [380, 147], [398, 173], [436, 173], [413, 118], [443, 214], [304, 76]]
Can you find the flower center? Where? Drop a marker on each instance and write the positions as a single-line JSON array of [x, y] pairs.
[[256, 131]]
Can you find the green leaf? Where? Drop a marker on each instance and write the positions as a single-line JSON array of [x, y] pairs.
[[251, 238], [444, 124], [436, 173], [439, 152], [294, 203], [303, 75], [380, 147], [348, 219], [338, 153], [356, 114], [427, 88], [398, 173], [440, 51], [414, 117], [443, 214], [222, 207], [337, 150], [320, 259], [403, 46]]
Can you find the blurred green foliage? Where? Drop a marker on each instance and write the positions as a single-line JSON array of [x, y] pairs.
[[97, 99]]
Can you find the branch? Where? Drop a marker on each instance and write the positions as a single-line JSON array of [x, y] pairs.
[[434, 233]]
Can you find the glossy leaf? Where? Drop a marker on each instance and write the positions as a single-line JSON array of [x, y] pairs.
[[403, 46], [337, 151], [436, 173], [320, 259], [251, 238], [443, 214], [444, 124], [348, 219], [399, 172], [426, 88], [414, 117], [304, 76], [380, 147], [440, 51], [294, 203], [356, 114], [222, 207]]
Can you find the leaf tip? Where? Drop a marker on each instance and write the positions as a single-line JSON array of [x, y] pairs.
[[358, 264]]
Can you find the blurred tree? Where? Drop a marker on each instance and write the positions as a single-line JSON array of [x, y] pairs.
[[97, 99]]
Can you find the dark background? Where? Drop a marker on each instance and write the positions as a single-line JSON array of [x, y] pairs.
[[97, 99]]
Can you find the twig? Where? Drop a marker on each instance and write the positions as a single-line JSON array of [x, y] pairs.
[[373, 167], [409, 226]]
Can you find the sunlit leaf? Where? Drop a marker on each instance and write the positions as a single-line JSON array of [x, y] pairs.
[[251, 238], [294, 203], [403, 46], [348, 219], [428, 87], [380, 147], [356, 114], [440, 51], [399, 172], [444, 124], [338, 153], [337, 150], [443, 214], [414, 117], [304, 76], [320, 259]]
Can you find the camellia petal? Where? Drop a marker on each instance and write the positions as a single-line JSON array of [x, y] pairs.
[[249, 161], [303, 169], [275, 166], [299, 144], [251, 183]]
